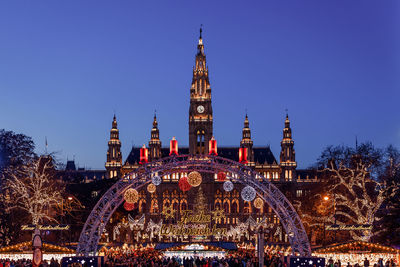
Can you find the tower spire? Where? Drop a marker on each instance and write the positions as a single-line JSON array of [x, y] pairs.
[[114, 156], [200, 110], [246, 141], [288, 156], [155, 143]]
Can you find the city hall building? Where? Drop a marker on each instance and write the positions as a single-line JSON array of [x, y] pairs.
[[146, 221]]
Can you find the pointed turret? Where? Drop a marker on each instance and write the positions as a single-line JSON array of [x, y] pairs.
[[155, 143], [288, 156], [200, 110], [114, 156], [246, 141]]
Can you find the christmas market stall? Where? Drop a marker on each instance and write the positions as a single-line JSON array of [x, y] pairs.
[[357, 251], [24, 251], [205, 249]]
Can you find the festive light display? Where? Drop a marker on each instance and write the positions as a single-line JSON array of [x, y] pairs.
[[131, 195], [218, 214], [38, 194], [129, 206], [184, 184], [168, 212], [156, 180], [151, 188], [144, 155], [351, 183], [212, 147], [194, 179], [243, 155], [258, 203], [228, 186], [248, 193], [221, 176], [173, 147]]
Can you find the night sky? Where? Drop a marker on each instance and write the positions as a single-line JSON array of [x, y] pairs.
[[67, 66]]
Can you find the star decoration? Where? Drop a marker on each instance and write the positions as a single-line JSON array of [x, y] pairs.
[[218, 214], [168, 212]]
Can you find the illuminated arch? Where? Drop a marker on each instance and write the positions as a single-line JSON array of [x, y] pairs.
[[113, 198]]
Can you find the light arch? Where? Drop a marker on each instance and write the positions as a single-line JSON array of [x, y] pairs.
[[113, 198]]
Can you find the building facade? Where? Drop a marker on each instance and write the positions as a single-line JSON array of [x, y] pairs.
[[210, 195]]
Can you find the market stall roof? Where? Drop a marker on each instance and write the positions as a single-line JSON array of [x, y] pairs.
[[357, 247], [27, 246]]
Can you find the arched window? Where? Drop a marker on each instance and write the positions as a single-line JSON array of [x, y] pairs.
[[142, 205], [200, 142], [154, 206], [235, 206], [247, 207], [183, 204], [175, 204], [227, 206], [217, 204]]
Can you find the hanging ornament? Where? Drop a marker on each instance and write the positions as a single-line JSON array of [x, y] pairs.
[[151, 188], [194, 179], [228, 186], [248, 193], [184, 184], [156, 180], [258, 203], [129, 206], [221, 176], [131, 195]]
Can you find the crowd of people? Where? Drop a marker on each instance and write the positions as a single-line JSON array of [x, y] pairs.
[[27, 263], [155, 259], [365, 263], [149, 259]]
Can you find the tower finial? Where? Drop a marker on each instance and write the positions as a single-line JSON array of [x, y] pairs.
[[356, 143], [201, 30]]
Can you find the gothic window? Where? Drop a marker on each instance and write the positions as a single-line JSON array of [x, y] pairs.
[[247, 207], [166, 200], [217, 204], [175, 204], [200, 142], [235, 206], [183, 204], [227, 206], [154, 206], [142, 206]]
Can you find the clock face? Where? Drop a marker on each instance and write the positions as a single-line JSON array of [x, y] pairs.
[[200, 109]]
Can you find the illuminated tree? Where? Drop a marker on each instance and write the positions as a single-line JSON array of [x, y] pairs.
[[200, 202], [354, 184], [34, 189], [15, 150]]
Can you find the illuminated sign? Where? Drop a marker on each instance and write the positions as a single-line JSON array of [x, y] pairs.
[[57, 227], [195, 224], [349, 227]]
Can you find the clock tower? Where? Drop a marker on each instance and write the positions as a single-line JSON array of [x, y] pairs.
[[200, 110]]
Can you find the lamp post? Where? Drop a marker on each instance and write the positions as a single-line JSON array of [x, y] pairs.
[[326, 198], [69, 199]]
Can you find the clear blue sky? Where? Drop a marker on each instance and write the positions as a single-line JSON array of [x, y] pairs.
[[66, 66]]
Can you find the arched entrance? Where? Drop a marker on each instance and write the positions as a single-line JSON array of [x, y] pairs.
[[113, 198]]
